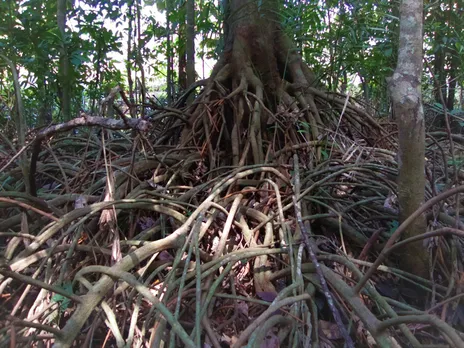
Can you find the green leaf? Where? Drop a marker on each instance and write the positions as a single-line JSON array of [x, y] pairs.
[[388, 52], [76, 61], [457, 162], [393, 226], [62, 300]]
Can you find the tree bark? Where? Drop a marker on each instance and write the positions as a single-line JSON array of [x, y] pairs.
[[190, 47], [405, 88], [139, 58], [130, 81], [259, 59], [453, 76], [169, 65], [181, 53], [64, 72]]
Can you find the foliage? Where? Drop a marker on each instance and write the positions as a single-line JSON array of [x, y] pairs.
[[350, 45], [204, 207], [29, 35]]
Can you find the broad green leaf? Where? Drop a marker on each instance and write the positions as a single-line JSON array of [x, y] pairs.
[[62, 300]]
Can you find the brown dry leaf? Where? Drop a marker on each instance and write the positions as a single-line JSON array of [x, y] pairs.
[[242, 307], [80, 202], [391, 202], [330, 330], [231, 340], [165, 256]]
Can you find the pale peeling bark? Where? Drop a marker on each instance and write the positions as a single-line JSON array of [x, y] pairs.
[[405, 88]]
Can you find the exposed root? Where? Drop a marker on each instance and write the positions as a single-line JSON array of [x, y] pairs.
[[204, 205], [251, 110], [236, 226]]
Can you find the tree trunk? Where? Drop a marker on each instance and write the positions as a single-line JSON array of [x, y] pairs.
[[181, 53], [45, 110], [405, 88], [64, 70], [169, 65], [140, 49], [190, 45], [20, 122], [130, 81], [260, 65], [453, 76], [461, 96], [259, 74]]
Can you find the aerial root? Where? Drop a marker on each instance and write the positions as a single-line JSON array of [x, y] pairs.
[[208, 225]]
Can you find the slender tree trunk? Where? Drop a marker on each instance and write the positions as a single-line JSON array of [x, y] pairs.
[[97, 82], [461, 96], [130, 80], [169, 68], [20, 122], [405, 88], [140, 58], [45, 112], [190, 45], [439, 68], [226, 13], [64, 69], [181, 50], [453, 76]]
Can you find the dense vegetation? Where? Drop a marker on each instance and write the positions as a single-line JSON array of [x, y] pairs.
[[222, 173]]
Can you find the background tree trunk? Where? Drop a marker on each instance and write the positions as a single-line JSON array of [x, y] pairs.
[[64, 62], [190, 45], [181, 53], [140, 48], [169, 64], [405, 88], [130, 81]]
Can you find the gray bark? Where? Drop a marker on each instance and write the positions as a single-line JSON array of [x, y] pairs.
[[405, 88]]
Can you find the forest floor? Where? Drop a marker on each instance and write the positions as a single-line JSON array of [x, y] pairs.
[[199, 251]]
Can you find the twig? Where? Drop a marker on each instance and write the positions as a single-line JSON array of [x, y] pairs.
[[24, 323], [24, 148], [114, 272], [265, 315], [425, 319], [401, 229], [40, 284], [29, 207], [305, 233]]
